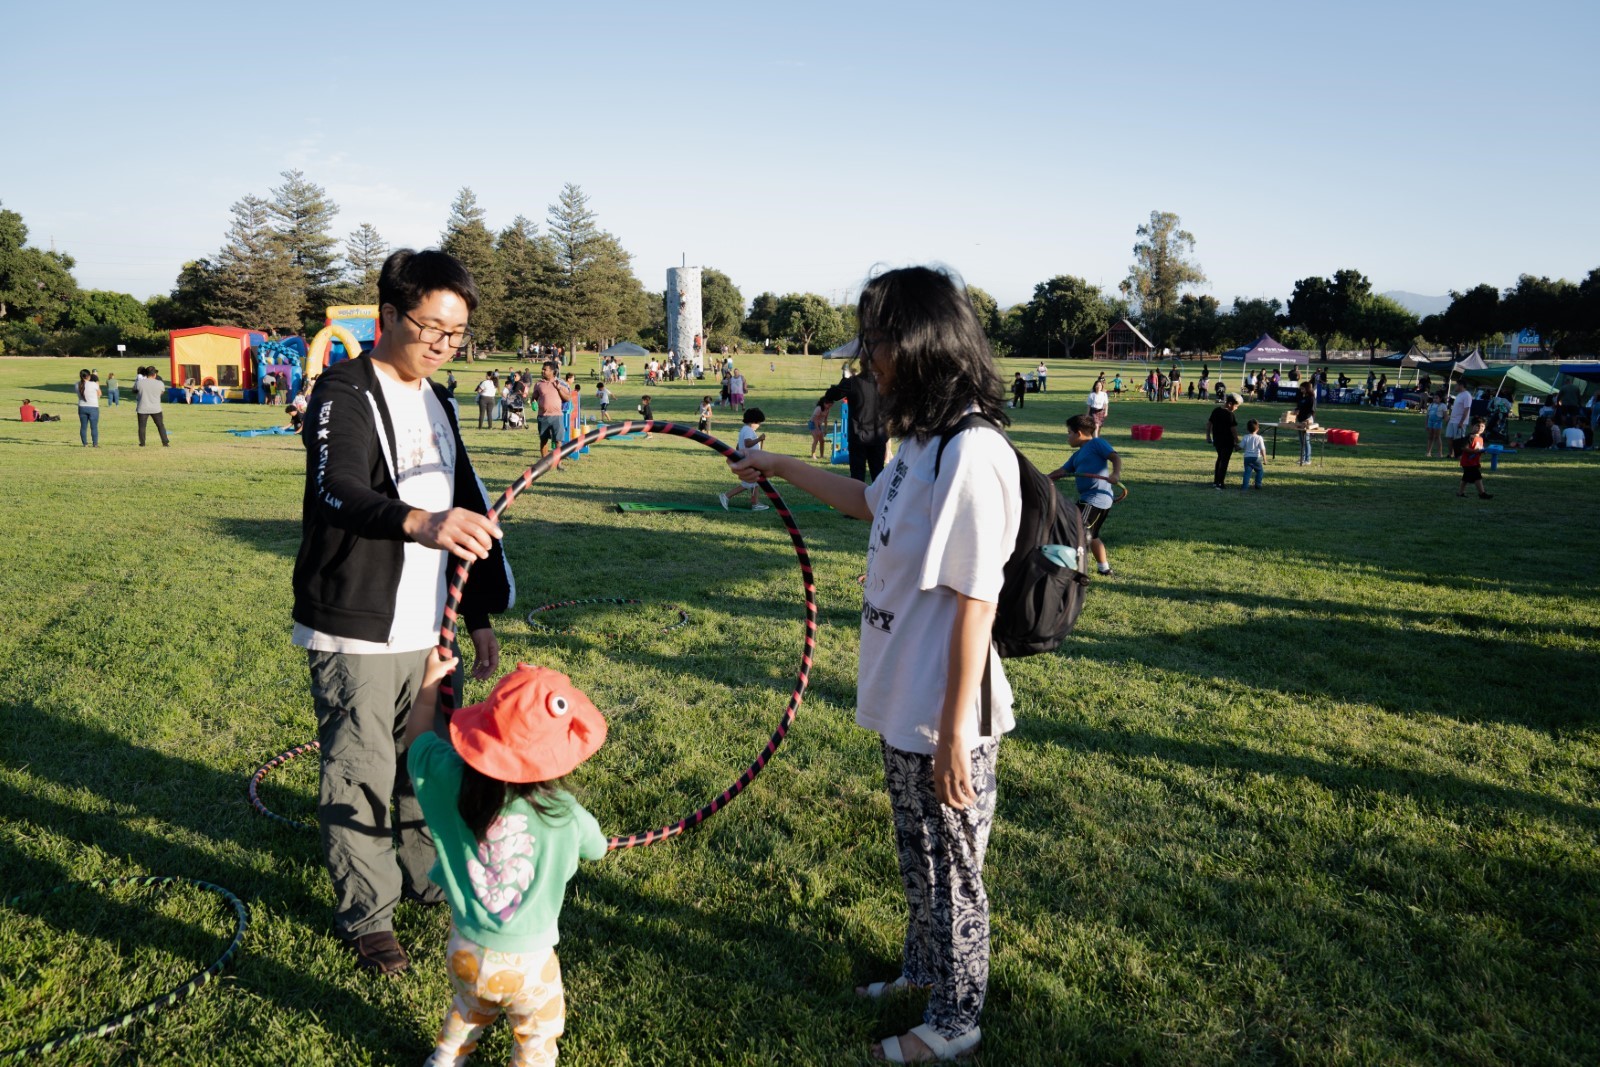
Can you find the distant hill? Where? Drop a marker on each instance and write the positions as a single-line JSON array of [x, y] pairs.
[[1418, 304]]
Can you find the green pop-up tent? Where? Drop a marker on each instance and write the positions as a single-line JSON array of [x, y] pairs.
[[1521, 377]]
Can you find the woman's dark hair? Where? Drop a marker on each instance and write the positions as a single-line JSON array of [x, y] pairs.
[[408, 277], [482, 798], [83, 376], [942, 360]]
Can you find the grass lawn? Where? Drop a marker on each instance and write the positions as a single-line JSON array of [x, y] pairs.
[[1315, 782]]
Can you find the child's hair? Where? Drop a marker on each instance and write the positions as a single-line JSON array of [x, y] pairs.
[[482, 798], [705, 400], [1477, 424], [645, 399], [752, 416], [1253, 425], [1083, 424]]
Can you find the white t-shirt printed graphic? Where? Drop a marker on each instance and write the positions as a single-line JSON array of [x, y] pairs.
[[425, 469], [928, 542]]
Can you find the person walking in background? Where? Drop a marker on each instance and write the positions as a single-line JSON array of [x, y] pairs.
[[1098, 404], [1223, 427], [487, 395], [113, 390], [1455, 430], [147, 390], [1255, 453], [1305, 417], [1097, 468], [1471, 460], [88, 409], [1019, 390], [1437, 411]]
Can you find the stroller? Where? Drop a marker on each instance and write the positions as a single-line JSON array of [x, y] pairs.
[[515, 420]]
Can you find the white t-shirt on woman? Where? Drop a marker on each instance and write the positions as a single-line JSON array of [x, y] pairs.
[[1098, 400], [928, 542], [91, 394]]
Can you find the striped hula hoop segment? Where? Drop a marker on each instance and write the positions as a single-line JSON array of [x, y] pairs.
[[458, 578], [165, 1000], [261, 772], [683, 616]]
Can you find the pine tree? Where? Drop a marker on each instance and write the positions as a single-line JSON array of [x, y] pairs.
[[527, 265], [257, 284], [468, 239], [364, 253], [303, 216], [597, 295]]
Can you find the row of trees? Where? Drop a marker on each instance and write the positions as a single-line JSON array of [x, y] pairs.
[[280, 266]]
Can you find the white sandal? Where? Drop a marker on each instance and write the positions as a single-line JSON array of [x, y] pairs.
[[944, 1051], [878, 990]]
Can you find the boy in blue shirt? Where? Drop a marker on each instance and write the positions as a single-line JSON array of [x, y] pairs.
[[1097, 468]]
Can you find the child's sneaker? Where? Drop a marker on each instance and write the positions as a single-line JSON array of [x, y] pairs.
[[1106, 572], [722, 498], [760, 507]]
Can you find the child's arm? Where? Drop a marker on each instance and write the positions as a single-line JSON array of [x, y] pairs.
[[426, 706]]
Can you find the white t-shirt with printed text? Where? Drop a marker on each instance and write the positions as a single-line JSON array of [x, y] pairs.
[[928, 542], [424, 466]]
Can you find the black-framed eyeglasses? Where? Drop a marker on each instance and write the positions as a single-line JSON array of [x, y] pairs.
[[432, 335]]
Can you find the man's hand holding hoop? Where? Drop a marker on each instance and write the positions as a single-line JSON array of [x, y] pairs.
[[460, 532]]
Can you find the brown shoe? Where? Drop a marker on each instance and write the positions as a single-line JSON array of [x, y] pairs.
[[379, 952]]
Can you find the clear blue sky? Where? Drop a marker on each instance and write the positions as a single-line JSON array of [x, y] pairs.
[[1430, 145]]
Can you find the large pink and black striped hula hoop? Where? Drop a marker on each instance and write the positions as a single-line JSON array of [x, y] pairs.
[[458, 578]]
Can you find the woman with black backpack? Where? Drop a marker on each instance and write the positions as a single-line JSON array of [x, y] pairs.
[[944, 518]]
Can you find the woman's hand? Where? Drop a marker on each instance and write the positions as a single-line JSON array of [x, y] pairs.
[[755, 462], [952, 773]]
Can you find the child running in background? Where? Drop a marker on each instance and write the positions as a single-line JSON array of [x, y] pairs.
[[508, 838], [1097, 467], [819, 431], [644, 410], [750, 436], [1255, 452], [1472, 460], [602, 396], [704, 425]]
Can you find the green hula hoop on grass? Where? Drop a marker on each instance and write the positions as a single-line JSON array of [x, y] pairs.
[[165, 1000]]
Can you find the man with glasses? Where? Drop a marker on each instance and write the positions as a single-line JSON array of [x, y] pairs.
[[390, 496]]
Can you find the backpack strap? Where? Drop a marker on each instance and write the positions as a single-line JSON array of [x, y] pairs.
[[966, 422]]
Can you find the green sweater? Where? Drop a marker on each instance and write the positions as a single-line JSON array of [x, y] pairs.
[[505, 893]]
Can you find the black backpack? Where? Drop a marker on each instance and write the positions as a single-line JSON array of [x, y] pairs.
[[1039, 599]]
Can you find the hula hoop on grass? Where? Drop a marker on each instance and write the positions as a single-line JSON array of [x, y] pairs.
[[165, 1000], [683, 616], [261, 772], [458, 578]]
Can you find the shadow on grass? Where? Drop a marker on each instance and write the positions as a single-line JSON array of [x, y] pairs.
[[167, 791]]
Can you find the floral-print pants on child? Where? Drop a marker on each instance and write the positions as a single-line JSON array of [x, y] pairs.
[[526, 986]]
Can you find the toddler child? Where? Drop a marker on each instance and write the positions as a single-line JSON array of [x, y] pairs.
[[819, 431], [644, 409], [1472, 460], [508, 838], [704, 425], [1255, 452], [602, 396], [749, 437]]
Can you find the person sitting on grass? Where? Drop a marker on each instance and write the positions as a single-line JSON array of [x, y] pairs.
[[1573, 436], [1471, 460], [28, 413], [508, 837], [750, 436], [1098, 468]]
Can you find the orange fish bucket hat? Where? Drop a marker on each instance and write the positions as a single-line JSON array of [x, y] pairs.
[[535, 726]]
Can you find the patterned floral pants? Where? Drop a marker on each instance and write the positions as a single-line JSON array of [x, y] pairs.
[[941, 863], [526, 986]]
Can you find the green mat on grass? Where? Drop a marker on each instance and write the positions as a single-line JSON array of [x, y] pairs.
[[692, 505]]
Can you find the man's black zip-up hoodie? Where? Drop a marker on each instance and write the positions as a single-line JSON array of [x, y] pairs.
[[352, 545]]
